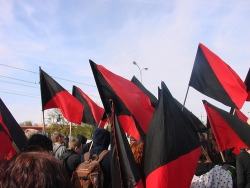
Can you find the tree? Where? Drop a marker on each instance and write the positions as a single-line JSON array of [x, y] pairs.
[[27, 124]]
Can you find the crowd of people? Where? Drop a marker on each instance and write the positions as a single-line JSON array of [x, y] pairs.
[[46, 162]]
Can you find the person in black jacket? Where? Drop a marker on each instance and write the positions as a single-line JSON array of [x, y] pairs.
[[71, 158], [101, 141], [243, 169], [85, 146]]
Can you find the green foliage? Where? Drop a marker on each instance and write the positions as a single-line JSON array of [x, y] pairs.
[[27, 124], [84, 129]]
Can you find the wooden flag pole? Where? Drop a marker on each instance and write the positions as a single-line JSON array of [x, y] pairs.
[[43, 124], [205, 153], [185, 98], [70, 128], [15, 147], [222, 156]]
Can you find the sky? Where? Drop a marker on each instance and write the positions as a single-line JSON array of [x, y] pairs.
[[161, 35]]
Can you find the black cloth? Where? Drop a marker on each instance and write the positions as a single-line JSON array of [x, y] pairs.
[[85, 148], [243, 169], [101, 141], [72, 161], [203, 168]]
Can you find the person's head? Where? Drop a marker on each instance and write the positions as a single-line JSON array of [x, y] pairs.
[[33, 170], [82, 138], [75, 145], [212, 149], [132, 140], [29, 132], [101, 138], [58, 137], [39, 141], [137, 150]]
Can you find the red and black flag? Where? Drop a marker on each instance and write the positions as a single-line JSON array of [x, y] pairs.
[[214, 78], [247, 82], [55, 96], [124, 170], [229, 130], [133, 106], [151, 97], [240, 115], [12, 137], [92, 113], [172, 146]]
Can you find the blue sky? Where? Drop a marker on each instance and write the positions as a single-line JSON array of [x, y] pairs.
[[61, 36]]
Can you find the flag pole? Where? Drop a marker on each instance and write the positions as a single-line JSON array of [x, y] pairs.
[[42, 100], [222, 156], [15, 147], [205, 153], [185, 98], [70, 128], [43, 124]]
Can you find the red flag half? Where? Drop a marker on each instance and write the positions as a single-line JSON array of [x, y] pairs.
[[229, 130], [214, 78], [133, 106], [10, 132], [240, 115], [54, 95], [124, 170], [247, 82], [172, 146], [92, 113]]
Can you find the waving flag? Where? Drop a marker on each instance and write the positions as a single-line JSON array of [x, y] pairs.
[[92, 113], [54, 95], [125, 173], [240, 115], [229, 130], [247, 82], [133, 106], [214, 78], [151, 97], [172, 146], [12, 137]]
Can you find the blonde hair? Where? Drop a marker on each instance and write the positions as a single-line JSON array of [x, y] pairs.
[[30, 132], [74, 143]]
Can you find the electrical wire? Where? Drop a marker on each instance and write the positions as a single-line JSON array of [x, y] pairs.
[[19, 94], [38, 73], [18, 84]]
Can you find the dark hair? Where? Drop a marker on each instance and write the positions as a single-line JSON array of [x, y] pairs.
[[33, 170], [212, 149], [39, 140]]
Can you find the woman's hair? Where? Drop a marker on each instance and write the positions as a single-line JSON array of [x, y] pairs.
[[137, 150], [33, 170], [30, 132], [56, 136], [212, 149]]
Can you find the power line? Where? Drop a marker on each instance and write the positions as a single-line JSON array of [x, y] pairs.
[[18, 79], [18, 68], [19, 94], [53, 77], [18, 84]]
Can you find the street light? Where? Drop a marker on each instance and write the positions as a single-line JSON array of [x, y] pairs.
[[140, 69]]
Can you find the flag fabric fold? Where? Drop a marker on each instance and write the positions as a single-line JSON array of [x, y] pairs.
[[214, 78], [172, 146], [124, 171], [131, 103], [247, 82], [229, 130], [10, 132], [92, 113], [53, 95]]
